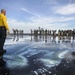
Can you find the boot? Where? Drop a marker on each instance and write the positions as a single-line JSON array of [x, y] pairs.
[[2, 52], [2, 63]]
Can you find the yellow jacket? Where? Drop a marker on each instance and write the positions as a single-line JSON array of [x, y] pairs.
[[3, 21]]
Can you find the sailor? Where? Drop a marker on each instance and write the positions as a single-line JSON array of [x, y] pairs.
[[3, 29]]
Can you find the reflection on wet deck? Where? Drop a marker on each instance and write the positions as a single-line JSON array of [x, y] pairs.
[[53, 39], [40, 55]]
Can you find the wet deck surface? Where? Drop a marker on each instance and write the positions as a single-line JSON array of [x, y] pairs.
[[39, 56]]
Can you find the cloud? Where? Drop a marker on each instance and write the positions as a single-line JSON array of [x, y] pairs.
[[43, 22], [15, 24], [48, 20], [32, 13], [71, 1], [66, 19], [25, 10], [66, 10], [50, 2]]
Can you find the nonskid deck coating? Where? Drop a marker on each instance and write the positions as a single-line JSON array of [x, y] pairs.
[[26, 57]]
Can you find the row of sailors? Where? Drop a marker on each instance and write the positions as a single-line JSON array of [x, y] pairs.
[[16, 31], [16, 34], [54, 32]]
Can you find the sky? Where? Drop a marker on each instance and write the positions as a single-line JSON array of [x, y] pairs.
[[47, 14]]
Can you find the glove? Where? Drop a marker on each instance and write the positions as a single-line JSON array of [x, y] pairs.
[[8, 32]]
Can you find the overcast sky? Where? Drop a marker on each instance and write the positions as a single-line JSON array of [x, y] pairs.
[[47, 14]]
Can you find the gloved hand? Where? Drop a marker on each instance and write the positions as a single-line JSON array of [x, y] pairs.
[[8, 32]]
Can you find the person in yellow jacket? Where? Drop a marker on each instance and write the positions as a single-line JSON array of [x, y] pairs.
[[3, 29]]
